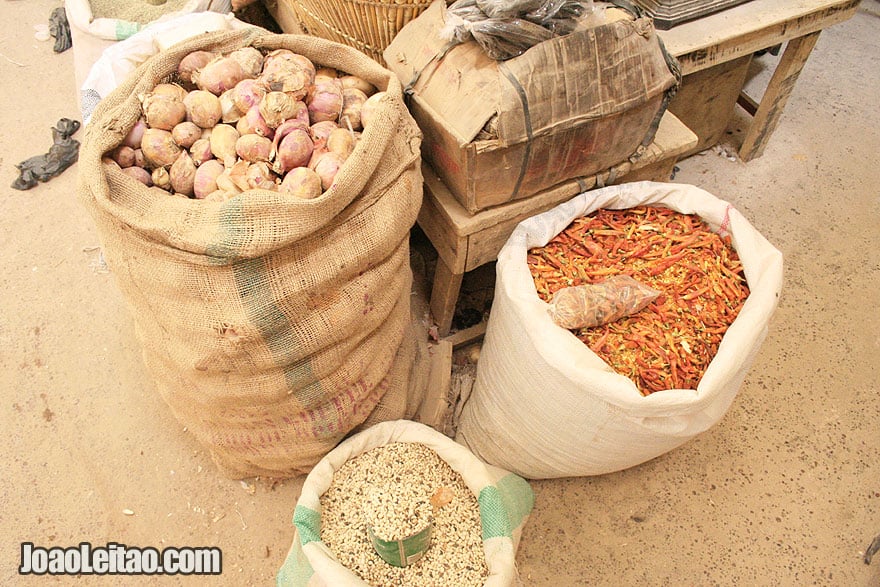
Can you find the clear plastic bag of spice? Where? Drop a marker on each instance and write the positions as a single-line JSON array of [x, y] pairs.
[[595, 304]]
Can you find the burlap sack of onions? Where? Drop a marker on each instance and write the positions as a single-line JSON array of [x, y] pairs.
[[263, 249]]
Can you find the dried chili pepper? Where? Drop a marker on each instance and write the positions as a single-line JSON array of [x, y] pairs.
[[669, 343]]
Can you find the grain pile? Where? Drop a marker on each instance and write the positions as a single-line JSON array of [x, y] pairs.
[[139, 11], [417, 475]]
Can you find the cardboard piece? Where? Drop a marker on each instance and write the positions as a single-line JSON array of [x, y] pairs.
[[569, 107]]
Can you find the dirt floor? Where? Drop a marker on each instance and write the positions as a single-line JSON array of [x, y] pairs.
[[785, 490]]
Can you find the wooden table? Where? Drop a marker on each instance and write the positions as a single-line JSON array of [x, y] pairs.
[[464, 241], [715, 52]]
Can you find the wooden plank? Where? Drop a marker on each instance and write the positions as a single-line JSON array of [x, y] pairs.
[[282, 12], [444, 295], [750, 27], [747, 103], [435, 407], [439, 228], [467, 336], [776, 95], [706, 100]]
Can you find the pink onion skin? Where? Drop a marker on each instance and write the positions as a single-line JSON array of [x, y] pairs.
[[277, 107], [192, 62], [203, 108], [253, 148], [250, 59], [223, 139], [253, 123], [161, 178], [248, 93], [201, 151], [133, 138], [294, 150], [183, 175], [322, 130], [139, 158], [205, 180], [327, 167], [123, 155], [186, 133], [159, 147], [219, 75], [302, 183], [140, 174], [325, 101]]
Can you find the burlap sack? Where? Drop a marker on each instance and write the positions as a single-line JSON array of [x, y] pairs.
[[273, 326]]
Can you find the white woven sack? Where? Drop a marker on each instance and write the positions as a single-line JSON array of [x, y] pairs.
[[505, 499], [545, 406]]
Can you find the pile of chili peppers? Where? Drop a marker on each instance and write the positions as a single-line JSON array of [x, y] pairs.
[[669, 343]]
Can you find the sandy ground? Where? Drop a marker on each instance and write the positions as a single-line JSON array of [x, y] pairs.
[[785, 490]]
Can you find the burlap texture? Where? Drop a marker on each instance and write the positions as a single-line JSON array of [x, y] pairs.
[[272, 326]]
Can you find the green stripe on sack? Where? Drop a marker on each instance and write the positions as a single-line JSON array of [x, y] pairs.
[[125, 29], [253, 284], [308, 524], [504, 506]]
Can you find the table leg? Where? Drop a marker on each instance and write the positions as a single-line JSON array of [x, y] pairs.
[[444, 295], [773, 101]]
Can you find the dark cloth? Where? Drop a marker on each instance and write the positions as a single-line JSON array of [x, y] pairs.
[[62, 154]]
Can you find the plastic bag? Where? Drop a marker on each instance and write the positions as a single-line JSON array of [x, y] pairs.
[[594, 304]]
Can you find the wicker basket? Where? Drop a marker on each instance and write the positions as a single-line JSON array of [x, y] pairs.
[[366, 25]]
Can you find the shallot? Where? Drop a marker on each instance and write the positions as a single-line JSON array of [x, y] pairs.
[[368, 111], [163, 111], [253, 123], [133, 138], [223, 139], [201, 151], [205, 179], [248, 93], [250, 60], [159, 147], [353, 81], [301, 182], [192, 62], [170, 90], [277, 107], [183, 174], [325, 100], [294, 150], [140, 174], [259, 176], [353, 101], [327, 167], [161, 178], [230, 112], [322, 130], [341, 142], [253, 148], [203, 108], [219, 75], [123, 155], [186, 133]]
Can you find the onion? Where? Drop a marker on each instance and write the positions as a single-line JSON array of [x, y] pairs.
[[322, 130], [327, 167], [277, 107], [201, 151], [192, 62], [140, 174], [205, 180], [203, 108], [238, 174], [252, 123], [259, 176], [161, 178], [163, 111], [186, 133], [368, 111], [183, 175], [139, 158], [123, 155], [159, 147], [341, 142], [325, 73], [170, 90], [325, 101], [248, 92], [230, 113], [281, 62], [294, 150], [253, 148], [226, 183], [353, 101], [353, 81], [250, 60], [219, 75], [223, 139], [133, 138], [301, 182]]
